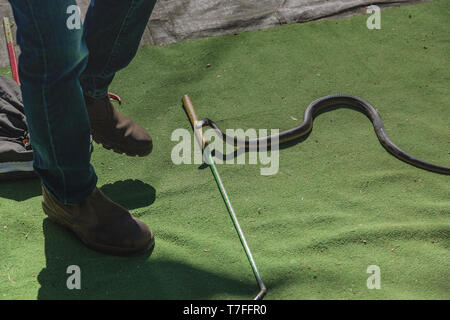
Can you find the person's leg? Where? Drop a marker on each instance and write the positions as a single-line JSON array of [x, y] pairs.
[[51, 61], [113, 31], [53, 56]]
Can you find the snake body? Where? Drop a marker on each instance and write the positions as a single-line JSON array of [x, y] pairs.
[[315, 108]]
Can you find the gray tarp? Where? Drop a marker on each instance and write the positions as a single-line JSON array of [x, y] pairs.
[[180, 20], [176, 20]]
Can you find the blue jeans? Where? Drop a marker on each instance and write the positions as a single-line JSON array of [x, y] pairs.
[[62, 60]]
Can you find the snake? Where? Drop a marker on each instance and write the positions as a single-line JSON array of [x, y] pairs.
[[302, 131]]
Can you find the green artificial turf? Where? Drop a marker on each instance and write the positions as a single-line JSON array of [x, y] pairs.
[[338, 204]]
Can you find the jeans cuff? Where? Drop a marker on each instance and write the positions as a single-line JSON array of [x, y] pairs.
[[92, 88], [73, 199]]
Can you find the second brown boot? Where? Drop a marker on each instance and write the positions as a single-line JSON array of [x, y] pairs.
[[115, 131], [101, 224]]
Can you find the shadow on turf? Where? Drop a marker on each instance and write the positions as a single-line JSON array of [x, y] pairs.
[[137, 277], [20, 190], [130, 194]]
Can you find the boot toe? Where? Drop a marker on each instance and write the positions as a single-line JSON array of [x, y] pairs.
[[142, 141], [145, 239], [132, 236]]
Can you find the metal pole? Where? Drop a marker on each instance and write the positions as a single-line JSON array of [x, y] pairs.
[[233, 217], [190, 110]]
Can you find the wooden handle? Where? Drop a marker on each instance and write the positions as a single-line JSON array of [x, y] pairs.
[[7, 29], [193, 118]]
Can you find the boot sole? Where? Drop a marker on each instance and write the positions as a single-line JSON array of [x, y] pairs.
[[111, 146], [119, 251]]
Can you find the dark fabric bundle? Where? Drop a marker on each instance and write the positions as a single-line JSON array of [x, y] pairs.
[[16, 154]]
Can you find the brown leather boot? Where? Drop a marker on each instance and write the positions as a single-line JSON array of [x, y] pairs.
[[115, 131], [101, 224]]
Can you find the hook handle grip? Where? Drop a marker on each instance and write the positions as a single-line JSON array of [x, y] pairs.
[[193, 118]]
